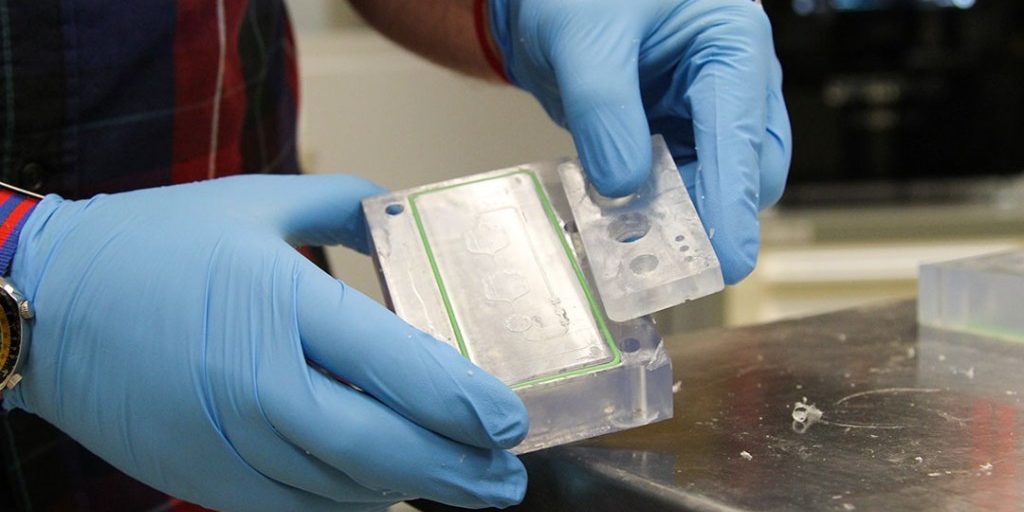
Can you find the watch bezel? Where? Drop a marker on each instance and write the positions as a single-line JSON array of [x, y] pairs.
[[16, 313]]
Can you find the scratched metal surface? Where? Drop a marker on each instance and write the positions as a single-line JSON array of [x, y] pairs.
[[909, 422]]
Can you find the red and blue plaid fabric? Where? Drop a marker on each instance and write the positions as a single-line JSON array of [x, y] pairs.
[[112, 95], [14, 210]]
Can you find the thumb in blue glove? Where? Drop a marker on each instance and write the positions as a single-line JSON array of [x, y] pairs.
[[180, 337], [702, 73]]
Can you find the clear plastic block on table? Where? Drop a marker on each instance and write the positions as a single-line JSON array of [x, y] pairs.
[[982, 295], [648, 251], [486, 264]]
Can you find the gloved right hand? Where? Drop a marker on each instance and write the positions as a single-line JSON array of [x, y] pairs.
[[178, 336], [703, 73]]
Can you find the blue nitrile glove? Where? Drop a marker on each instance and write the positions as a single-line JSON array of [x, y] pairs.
[[701, 72], [177, 335]]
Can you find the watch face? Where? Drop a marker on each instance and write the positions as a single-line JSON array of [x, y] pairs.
[[10, 336]]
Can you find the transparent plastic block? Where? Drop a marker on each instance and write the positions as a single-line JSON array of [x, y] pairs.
[[981, 295], [649, 251], [485, 264]]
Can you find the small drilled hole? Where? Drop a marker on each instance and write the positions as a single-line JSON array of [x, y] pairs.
[[570, 227], [684, 248], [394, 209], [630, 345], [680, 238], [629, 227]]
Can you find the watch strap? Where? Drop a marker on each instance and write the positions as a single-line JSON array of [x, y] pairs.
[[15, 207]]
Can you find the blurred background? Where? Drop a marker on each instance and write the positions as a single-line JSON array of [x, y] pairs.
[[908, 120]]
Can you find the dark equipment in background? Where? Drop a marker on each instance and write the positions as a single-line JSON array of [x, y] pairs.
[[895, 100]]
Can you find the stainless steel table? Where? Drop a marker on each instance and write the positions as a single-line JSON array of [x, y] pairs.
[[910, 421]]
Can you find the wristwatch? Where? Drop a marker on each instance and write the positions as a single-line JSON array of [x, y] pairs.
[[14, 333], [15, 310]]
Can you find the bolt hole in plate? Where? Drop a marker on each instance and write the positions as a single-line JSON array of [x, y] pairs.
[[630, 345], [629, 227], [643, 264], [394, 209]]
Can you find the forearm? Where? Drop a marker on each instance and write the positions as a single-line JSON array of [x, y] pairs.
[[442, 31]]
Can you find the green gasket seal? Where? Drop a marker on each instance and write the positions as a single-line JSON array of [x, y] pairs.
[[553, 219]]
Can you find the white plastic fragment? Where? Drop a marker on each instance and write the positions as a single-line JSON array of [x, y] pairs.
[[805, 415]]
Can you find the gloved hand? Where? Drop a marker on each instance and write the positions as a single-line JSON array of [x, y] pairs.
[[703, 73], [178, 334]]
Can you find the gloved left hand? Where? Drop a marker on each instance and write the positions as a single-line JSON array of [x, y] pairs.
[[703, 73], [180, 337]]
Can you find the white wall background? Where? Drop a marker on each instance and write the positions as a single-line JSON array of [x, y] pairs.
[[319, 15]]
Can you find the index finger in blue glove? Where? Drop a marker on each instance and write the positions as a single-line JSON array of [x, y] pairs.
[[600, 92], [727, 69], [421, 378], [314, 210]]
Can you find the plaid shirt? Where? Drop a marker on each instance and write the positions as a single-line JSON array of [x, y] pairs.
[[113, 95]]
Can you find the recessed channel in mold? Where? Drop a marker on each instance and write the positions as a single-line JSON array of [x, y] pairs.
[[510, 283]]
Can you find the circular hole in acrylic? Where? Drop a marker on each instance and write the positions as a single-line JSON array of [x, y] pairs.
[[684, 248], [630, 345], [680, 238], [394, 209], [570, 227], [629, 227], [643, 264]]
